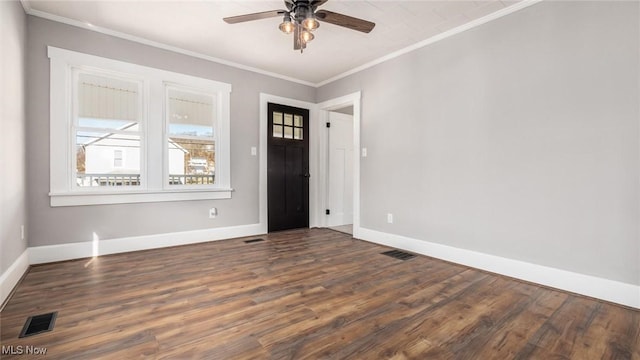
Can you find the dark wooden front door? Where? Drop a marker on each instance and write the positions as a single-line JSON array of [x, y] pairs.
[[288, 167]]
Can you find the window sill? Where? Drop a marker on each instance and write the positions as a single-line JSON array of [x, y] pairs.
[[131, 197]]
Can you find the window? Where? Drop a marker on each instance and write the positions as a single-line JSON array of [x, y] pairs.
[[107, 116], [190, 121], [288, 126], [124, 133]]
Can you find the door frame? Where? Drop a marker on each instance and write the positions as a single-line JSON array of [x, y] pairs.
[[318, 159], [324, 108], [265, 99]]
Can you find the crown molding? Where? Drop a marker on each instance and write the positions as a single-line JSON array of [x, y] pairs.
[[26, 5], [470, 25], [449, 33], [118, 34]]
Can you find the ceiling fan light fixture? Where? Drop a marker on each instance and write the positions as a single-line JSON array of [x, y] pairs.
[[286, 26], [310, 23], [306, 36]]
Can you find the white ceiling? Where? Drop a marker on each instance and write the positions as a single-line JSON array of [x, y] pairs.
[[197, 26]]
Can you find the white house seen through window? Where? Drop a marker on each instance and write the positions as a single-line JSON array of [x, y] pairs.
[[107, 126], [191, 141]]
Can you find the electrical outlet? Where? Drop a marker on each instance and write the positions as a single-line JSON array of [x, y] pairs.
[[254, 151], [364, 152], [390, 218], [213, 212]]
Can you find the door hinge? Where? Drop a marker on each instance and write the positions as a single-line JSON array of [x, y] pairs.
[[328, 124], [327, 212]]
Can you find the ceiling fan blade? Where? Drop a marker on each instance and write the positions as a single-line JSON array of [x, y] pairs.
[[254, 16], [345, 21]]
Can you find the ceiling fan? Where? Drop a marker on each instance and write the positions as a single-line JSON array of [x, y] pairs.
[[301, 19]]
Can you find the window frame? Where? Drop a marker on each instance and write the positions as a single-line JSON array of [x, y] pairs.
[[152, 188]]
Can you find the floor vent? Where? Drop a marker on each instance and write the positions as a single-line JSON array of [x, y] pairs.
[[401, 255], [38, 324], [253, 241]]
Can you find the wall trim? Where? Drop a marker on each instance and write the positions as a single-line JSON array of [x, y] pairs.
[[97, 247], [464, 27], [84, 25], [26, 6], [449, 33], [10, 277], [600, 288], [592, 286]]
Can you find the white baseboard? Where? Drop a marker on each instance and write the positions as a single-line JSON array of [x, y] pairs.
[[9, 279], [609, 290], [51, 253]]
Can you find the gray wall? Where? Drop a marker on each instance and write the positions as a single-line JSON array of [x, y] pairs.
[[12, 132], [76, 224], [518, 138]]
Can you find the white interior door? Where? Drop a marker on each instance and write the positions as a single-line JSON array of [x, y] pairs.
[[340, 186]]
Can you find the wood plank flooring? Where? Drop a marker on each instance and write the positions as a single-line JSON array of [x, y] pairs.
[[305, 294]]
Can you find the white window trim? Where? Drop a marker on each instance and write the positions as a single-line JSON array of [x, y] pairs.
[[62, 193]]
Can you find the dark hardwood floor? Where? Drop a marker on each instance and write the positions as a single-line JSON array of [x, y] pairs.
[[305, 294]]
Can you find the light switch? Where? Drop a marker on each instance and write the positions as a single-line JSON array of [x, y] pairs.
[[254, 151], [364, 152]]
